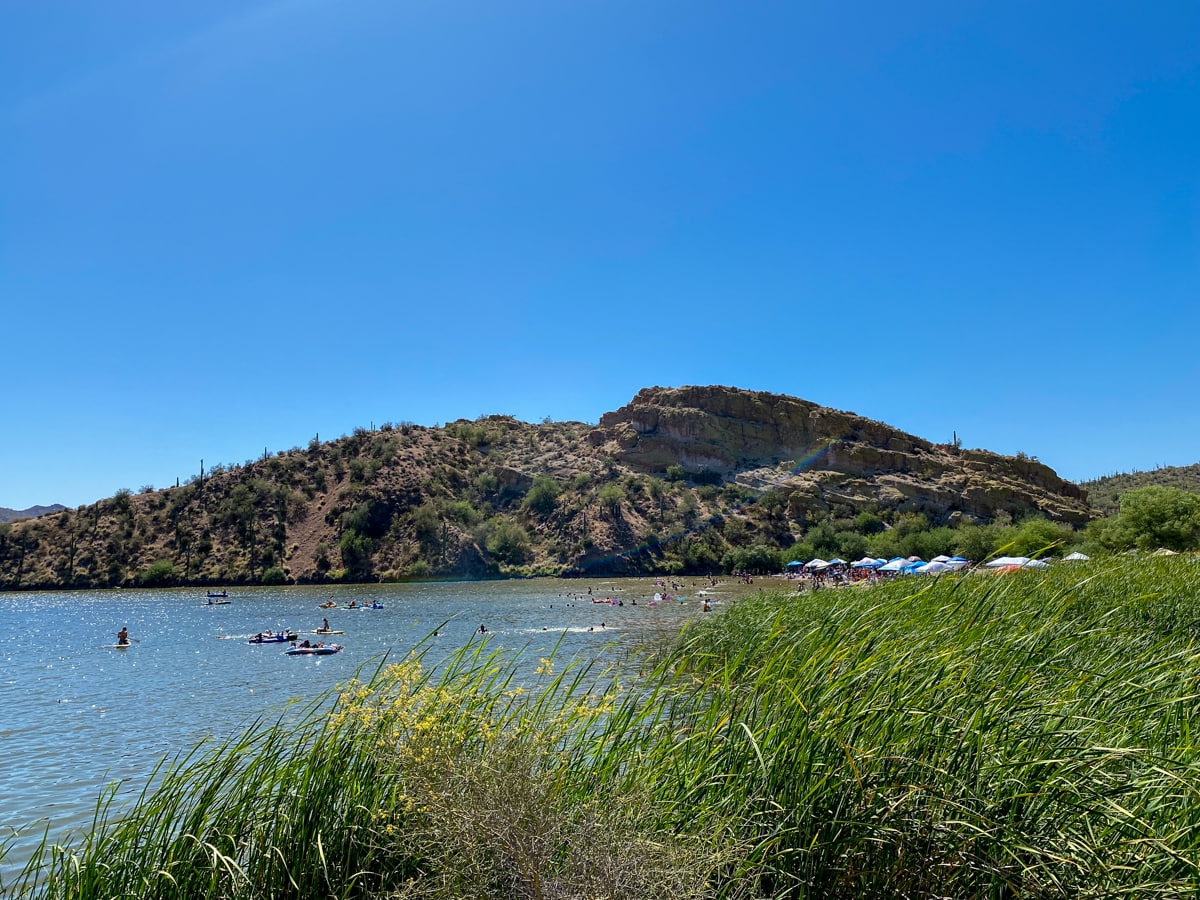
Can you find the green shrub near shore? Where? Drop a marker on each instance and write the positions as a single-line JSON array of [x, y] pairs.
[[1023, 735]]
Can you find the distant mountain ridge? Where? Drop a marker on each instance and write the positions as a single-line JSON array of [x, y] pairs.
[[1105, 493], [678, 480], [12, 515]]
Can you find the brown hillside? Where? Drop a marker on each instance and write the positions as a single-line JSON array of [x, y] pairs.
[[676, 480]]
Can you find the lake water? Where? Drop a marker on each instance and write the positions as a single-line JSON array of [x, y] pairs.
[[79, 714]]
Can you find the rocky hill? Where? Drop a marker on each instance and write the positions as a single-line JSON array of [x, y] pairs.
[[1104, 493], [674, 481]]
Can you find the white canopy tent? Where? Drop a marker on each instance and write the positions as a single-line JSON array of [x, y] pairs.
[[1022, 562]]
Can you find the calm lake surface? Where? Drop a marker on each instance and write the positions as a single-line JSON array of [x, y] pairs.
[[79, 714]]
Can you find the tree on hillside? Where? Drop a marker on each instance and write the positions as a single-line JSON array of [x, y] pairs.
[[1152, 517], [542, 496]]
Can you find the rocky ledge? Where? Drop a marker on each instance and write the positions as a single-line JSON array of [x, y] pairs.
[[827, 460]]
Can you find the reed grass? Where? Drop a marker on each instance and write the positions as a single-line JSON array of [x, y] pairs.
[[1025, 735]]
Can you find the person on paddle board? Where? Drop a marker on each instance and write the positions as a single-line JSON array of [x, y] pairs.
[[325, 625], [123, 636]]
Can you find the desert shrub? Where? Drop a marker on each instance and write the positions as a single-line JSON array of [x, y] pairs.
[[160, 573], [274, 575], [542, 496], [507, 541], [610, 497]]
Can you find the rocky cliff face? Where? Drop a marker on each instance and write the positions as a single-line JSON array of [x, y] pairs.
[[826, 458]]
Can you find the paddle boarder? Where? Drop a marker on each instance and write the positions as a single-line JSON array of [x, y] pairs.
[[123, 636]]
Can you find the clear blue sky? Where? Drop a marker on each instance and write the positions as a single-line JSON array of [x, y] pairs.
[[229, 226]]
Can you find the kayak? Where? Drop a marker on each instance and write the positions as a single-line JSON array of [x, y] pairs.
[[217, 603], [328, 605], [273, 638], [323, 650]]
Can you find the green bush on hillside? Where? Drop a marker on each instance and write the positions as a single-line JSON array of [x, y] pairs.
[[274, 576], [160, 573]]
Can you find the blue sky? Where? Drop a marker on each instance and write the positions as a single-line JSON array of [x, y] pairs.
[[228, 227]]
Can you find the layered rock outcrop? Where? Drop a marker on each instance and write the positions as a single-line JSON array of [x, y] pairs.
[[827, 459]]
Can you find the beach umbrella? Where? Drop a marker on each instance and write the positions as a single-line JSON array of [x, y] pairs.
[[837, 562], [941, 558], [794, 562]]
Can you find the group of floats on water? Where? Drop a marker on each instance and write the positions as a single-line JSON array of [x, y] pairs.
[[299, 646]]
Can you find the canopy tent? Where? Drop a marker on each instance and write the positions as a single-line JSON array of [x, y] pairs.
[[1021, 562], [867, 563], [934, 567], [1163, 551], [837, 562], [1075, 556], [794, 563], [941, 558], [898, 564], [817, 563]]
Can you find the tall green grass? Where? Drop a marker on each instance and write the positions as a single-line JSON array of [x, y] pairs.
[[1024, 735]]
